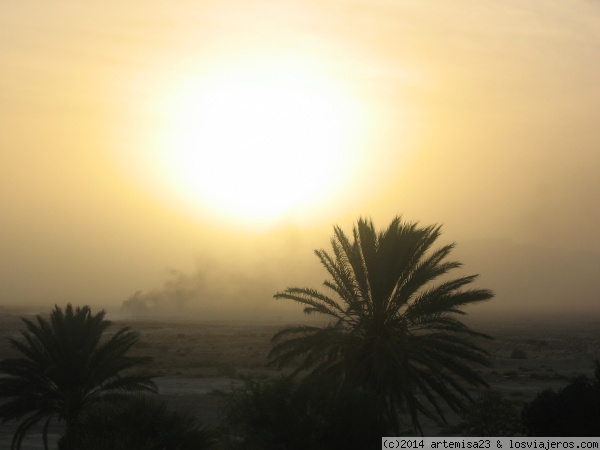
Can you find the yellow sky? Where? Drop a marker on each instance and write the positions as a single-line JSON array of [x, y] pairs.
[[481, 115]]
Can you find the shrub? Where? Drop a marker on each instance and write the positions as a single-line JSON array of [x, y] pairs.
[[490, 415], [282, 414], [572, 411], [141, 423]]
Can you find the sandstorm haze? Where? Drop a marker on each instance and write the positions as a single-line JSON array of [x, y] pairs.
[[482, 116]]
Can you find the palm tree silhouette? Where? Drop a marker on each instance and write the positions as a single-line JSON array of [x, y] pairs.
[[66, 366], [391, 333]]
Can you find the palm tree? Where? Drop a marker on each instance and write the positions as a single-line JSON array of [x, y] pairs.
[[390, 332], [66, 366]]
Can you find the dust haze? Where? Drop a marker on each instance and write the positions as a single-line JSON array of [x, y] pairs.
[[484, 118], [210, 292]]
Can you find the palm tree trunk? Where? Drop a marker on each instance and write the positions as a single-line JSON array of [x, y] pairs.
[[45, 433], [68, 440]]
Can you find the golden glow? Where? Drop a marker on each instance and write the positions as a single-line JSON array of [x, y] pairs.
[[256, 142]]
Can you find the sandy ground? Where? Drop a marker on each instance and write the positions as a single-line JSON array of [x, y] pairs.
[[191, 359]]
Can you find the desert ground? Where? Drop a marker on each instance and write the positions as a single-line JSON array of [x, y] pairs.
[[193, 358]]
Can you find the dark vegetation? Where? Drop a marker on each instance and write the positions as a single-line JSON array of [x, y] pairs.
[[571, 411], [140, 422], [284, 414], [392, 354], [490, 415]]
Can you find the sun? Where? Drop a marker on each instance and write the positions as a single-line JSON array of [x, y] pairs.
[[256, 142]]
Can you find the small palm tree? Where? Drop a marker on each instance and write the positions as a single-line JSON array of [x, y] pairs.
[[65, 367], [391, 333]]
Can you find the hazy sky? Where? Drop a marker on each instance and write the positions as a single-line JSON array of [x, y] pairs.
[[480, 115]]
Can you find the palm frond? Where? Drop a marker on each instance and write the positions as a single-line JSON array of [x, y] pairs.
[[352, 255], [342, 281], [313, 299]]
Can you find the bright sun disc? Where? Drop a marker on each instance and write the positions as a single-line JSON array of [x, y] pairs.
[[258, 142]]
